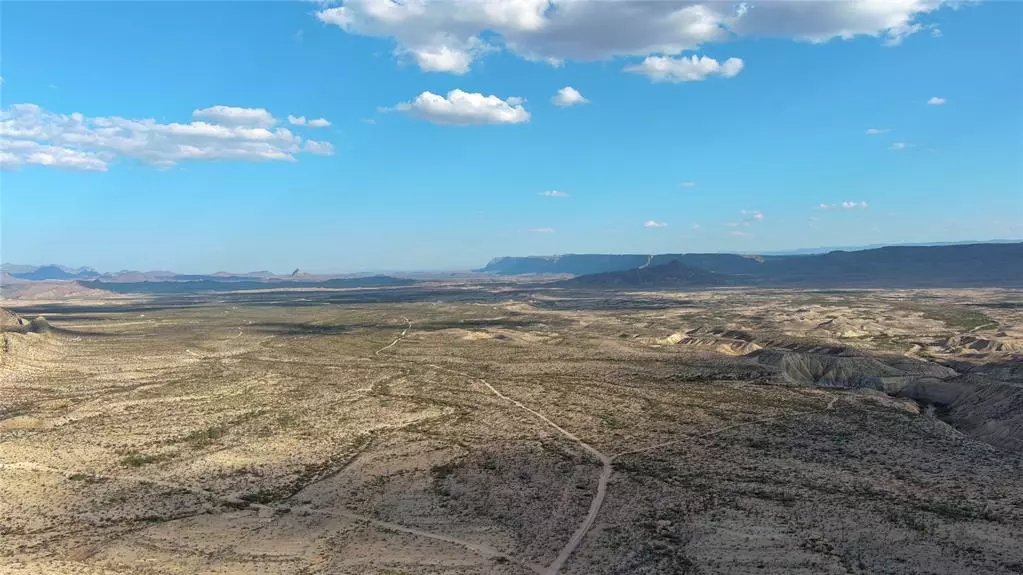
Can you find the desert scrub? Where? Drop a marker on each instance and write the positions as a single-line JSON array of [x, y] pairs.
[[140, 459], [956, 317], [208, 436]]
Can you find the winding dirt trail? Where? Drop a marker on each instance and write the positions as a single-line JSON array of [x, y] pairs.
[[400, 337], [605, 473]]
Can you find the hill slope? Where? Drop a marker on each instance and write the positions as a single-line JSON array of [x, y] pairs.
[[972, 265], [673, 274]]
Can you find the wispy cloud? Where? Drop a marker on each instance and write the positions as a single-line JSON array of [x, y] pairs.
[[900, 146], [755, 215], [936, 101], [34, 136], [846, 205], [738, 234], [538, 231], [876, 131], [687, 184], [301, 121], [554, 194], [654, 224]]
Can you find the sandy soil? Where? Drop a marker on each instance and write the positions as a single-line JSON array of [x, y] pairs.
[[499, 430]]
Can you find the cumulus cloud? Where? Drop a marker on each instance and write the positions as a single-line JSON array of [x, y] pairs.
[[232, 116], [654, 224], [876, 131], [846, 205], [460, 108], [301, 121], [755, 215], [687, 184], [450, 35], [936, 101], [568, 96], [554, 194], [30, 135], [683, 69]]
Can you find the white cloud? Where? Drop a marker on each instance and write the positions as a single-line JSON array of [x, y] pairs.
[[30, 135], [554, 194], [899, 146], [687, 184], [460, 108], [683, 69], [301, 121], [16, 153], [936, 101], [568, 96], [755, 215], [739, 234], [450, 35], [318, 148], [846, 205], [876, 131], [654, 224], [232, 116], [539, 231]]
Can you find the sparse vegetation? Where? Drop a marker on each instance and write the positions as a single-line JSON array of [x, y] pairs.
[[205, 437], [140, 459], [273, 412]]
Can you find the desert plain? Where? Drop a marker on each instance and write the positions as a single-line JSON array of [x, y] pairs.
[[510, 428]]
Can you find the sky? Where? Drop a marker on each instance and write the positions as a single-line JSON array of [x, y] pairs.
[[372, 135]]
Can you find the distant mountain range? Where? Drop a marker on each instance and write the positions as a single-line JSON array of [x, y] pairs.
[[671, 274], [971, 265], [824, 250], [221, 283], [979, 264], [48, 272], [58, 272]]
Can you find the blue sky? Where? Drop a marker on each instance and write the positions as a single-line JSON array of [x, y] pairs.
[[157, 135]]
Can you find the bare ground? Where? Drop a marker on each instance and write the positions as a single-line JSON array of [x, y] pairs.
[[472, 430]]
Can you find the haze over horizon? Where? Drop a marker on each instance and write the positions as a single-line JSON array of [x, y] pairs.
[[372, 136]]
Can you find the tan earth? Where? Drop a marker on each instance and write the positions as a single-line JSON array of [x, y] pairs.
[[455, 428]]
